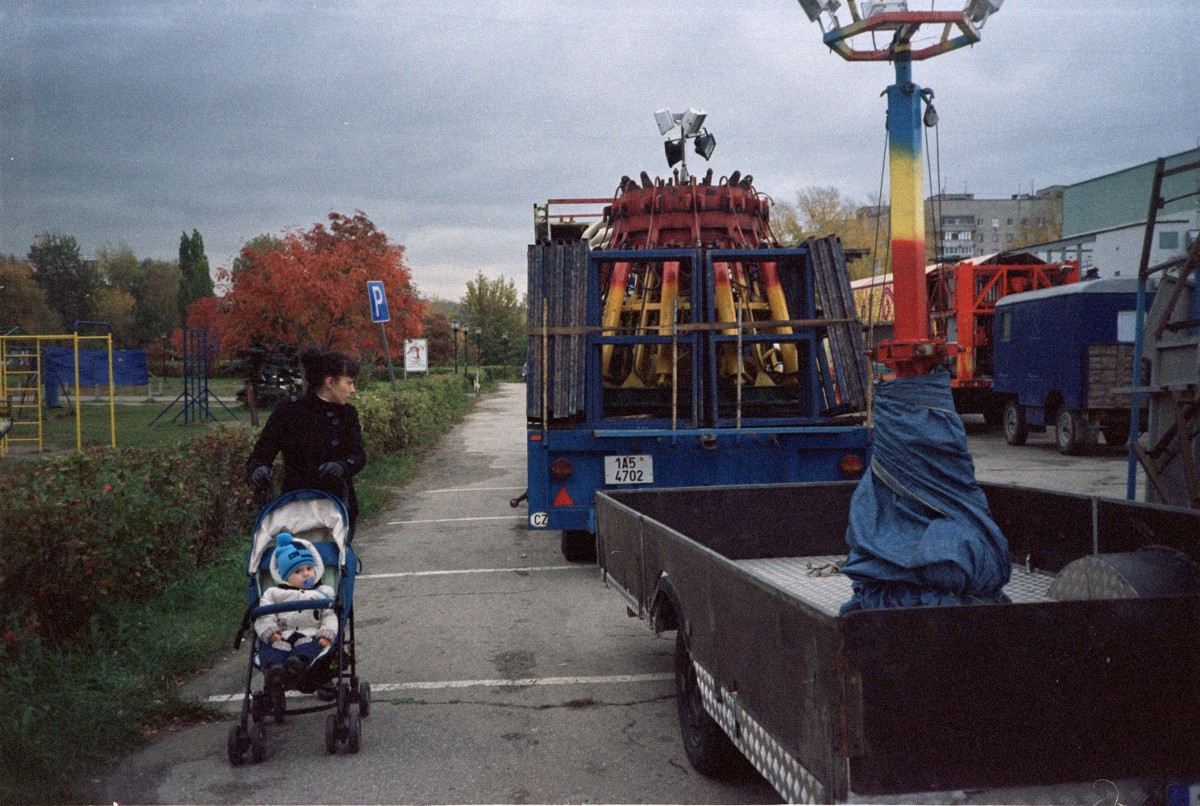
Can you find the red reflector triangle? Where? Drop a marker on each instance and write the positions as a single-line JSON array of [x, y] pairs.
[[563, 499]]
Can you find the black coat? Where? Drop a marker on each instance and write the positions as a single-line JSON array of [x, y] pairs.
[[310, 432]]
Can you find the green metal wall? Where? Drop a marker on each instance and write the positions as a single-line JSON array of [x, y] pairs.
[[1124, 197]]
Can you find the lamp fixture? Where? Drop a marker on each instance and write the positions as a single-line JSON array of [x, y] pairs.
[[691, 127]]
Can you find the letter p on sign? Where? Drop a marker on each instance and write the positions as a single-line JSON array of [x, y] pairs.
[[379, 309]]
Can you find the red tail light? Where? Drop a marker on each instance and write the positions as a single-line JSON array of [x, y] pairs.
[[561, 468], [852, 465]]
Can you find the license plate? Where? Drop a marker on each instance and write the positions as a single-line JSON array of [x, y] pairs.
[[628, 470]]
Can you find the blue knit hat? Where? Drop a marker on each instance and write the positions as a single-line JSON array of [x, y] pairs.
[[290, 555]]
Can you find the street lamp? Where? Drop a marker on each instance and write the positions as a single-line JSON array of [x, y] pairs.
[[479, 344], [455, 326]]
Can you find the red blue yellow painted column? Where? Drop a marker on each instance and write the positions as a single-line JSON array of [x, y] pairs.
[[907, 202]]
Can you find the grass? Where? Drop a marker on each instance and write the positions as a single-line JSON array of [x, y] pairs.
[[73, 709]]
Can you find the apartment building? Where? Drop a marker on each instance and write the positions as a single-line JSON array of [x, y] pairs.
[[960, 226]]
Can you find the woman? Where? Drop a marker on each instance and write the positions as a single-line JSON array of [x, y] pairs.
[[319, 434]]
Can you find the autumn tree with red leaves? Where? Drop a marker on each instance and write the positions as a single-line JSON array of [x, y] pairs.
[[310, 287]]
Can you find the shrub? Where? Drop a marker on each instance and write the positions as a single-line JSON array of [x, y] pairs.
[[412, 416], [85, 529]]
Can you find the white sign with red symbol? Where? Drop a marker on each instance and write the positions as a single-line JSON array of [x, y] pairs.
[[416, 355]]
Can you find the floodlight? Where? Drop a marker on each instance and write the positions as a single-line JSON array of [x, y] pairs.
[[705, 143], [674, 149], [813, 8], [665, 120], [978, 11], [884, 7], [691, 122]]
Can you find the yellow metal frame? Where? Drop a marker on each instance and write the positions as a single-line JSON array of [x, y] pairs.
[[29, 383]]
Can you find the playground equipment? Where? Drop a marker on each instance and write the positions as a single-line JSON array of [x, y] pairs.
[[196, 393], [23, 375]]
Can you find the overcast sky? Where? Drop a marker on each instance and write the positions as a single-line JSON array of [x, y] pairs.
[[446, 120]]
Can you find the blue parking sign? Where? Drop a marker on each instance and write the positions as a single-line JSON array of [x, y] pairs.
[[379, 309]]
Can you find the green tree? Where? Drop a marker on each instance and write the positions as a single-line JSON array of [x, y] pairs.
[[195, 281], [22, 301], [68, 280], [493, 308], [138, 298], [156, 292]]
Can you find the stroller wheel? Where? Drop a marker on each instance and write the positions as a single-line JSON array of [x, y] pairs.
[[364, 699], [235, 746], [353, 733], [258, 743], [278, 704], [331, 734]]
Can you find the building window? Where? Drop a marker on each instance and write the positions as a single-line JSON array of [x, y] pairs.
[[995, 237], [1010, 222], [1008, 238], [1168, 240]]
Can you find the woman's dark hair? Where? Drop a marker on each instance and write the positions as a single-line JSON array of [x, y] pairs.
[[317, 366]]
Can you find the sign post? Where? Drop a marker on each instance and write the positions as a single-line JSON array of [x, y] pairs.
[[379, 313]]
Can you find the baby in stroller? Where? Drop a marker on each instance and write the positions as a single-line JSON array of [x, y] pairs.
[[300, 593], [292, 639]]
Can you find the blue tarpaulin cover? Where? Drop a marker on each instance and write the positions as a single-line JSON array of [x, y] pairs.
[[58, 369], [920, 531]]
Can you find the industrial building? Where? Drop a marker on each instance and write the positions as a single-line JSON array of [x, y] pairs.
[[1104, 219]]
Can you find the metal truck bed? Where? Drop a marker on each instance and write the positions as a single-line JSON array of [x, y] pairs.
[[924, 699], [814, 581]]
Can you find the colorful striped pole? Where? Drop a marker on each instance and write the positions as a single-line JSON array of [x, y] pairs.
[[907, 202]]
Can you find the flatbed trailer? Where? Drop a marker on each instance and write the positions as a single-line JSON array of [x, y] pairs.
[[964, 699]]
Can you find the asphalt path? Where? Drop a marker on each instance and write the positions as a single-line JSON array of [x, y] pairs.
[[500, 672]]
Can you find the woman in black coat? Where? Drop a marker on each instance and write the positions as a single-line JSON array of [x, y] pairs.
[[319, 435]]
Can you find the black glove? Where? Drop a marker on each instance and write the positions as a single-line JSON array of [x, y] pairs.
[[331, 470], [262, 477]]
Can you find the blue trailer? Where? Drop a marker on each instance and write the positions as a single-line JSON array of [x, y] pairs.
[[1064, 359], [673, 367]]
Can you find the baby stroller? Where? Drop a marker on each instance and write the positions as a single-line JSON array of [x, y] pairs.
[[319, 519]]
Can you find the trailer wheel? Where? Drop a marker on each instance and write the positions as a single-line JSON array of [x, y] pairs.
[[1070, 432], [579, 546], [1015, 429], [708, 748]]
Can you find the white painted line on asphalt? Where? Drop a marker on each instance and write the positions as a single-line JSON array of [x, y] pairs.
[[475, 489], [525, 682], [460, 520], [469, 571]]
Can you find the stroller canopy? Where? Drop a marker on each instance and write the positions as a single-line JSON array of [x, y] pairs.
[[298, 512]]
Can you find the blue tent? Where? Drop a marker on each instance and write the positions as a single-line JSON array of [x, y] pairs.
[[58, 369]]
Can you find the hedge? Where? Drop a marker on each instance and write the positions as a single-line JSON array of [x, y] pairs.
[[104, 525], [412, 417], [88, 529]]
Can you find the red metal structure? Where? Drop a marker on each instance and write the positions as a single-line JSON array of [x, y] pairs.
[[962, 306]]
